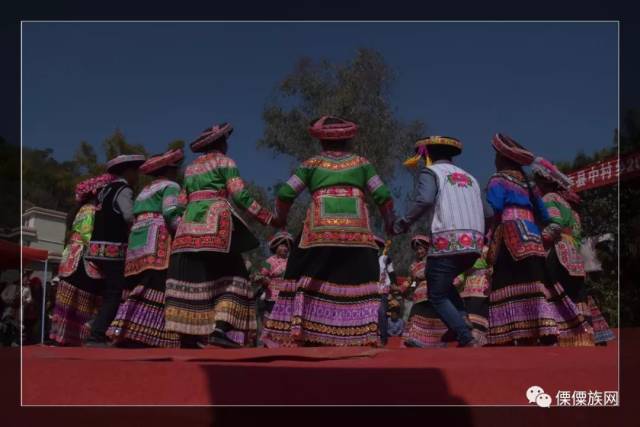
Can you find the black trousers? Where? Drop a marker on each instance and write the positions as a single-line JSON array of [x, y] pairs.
[[114, 284]]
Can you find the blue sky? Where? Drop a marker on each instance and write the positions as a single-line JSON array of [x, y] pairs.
[[551, 86]]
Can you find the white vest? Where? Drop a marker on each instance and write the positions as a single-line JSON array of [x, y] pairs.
[[457, 220]]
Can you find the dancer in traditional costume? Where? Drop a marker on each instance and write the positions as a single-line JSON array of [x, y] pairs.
[[140, 317], [78, 293], [524, 306], [452, 201], [424, 328], [330, 295], [601, 331], [208, 290], [273, 268], [108, 246], [562, 241], [474, 286]]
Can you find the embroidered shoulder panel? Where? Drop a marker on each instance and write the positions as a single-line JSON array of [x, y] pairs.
[[338, 163]]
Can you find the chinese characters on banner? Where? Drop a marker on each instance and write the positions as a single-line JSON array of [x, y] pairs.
[[606, 172]]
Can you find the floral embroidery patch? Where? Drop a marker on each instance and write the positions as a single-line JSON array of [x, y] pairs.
[[459, 179]]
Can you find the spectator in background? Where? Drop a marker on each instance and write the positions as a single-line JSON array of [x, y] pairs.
[[9, 331], [395, 324], [31, 305]]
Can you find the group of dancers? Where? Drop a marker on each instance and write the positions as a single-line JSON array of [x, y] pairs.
[[167, 270]]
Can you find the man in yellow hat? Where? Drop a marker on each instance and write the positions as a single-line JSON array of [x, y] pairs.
[[451, 200]]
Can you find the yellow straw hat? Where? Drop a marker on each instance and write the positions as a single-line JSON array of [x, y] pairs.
[[422, 152]]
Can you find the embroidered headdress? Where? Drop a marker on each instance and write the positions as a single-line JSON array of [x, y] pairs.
[[338, 129], [422, 149], [548, 171], [510, 149], [124, 160], [211, 135], [170, 158]]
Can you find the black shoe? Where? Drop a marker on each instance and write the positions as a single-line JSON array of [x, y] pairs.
[[190, 342], [96, 342], [220, 339], [412, 344]]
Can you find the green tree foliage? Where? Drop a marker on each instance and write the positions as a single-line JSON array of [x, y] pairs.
[[87, 160], [50, 184], [47, 182], [117, 144]]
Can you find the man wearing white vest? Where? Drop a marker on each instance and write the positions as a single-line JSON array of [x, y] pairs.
[[451, 200]]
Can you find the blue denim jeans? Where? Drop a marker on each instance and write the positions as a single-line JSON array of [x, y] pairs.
[[444, 297]]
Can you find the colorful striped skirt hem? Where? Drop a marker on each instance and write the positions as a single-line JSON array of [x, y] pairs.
[[140, 317]]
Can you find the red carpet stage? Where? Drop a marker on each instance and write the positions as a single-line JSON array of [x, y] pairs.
[[311, 376]]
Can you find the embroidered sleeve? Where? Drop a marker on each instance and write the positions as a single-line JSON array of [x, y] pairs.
[[295, 185], [559, 218], [496, 194], [240, 195], [379, 191], [83, 223], [291, 189], [540, 206], [172, 209], [381, 196]]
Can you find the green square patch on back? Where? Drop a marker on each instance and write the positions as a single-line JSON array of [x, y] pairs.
[[340, 206], [138, 237]]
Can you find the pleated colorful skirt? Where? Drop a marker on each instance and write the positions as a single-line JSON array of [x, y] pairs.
[[575, 335], [601, 331], [204, 288], [77, 302], [140, 317], [329, 297], [424, 328], [523, 307]]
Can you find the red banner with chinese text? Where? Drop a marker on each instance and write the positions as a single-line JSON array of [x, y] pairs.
[[606, 172]]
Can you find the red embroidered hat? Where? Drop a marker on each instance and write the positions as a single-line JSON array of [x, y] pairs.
[[125, 160], [211, 135], [510, 149], [91, 186], [548, 171], [420, 240], [338, 129], [170, 158], [278, 238]]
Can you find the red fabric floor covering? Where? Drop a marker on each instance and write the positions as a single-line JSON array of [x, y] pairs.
[[311, 376]]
